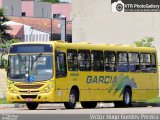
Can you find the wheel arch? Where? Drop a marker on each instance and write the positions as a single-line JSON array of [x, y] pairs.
[[76, 88], [128, 87]]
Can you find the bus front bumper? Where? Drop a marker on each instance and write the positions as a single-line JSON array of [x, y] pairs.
[[23, 98]]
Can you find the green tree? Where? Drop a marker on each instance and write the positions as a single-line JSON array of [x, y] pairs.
[[4, 36], [52, 1], [145, 42], [3, 62], [8, 43]]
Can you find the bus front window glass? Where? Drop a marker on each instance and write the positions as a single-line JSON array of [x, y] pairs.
[[38, 67]]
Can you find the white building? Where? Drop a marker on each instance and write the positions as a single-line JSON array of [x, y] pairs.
[[95, 22], [31, 34]]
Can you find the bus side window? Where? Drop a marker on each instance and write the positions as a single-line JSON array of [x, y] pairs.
[[122, 62], [61, 70], [84, 60], [154, 67], [134, 62], [72, 60], [145, 62], [97, 60], [110, 61]]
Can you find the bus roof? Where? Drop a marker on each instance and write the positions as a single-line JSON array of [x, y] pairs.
[[110, 47], [89, 46]]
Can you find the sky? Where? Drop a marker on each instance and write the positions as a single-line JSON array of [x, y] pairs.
[[66, 0]]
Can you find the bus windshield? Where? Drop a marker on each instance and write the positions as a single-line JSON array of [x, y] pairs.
[[30, 68]]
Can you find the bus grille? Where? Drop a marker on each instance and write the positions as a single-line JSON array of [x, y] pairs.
[[29, 96], [29, 86], [29, 92]]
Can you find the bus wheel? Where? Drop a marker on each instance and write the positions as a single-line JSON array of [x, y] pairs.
[[88, 104], [72, 100], [118, 104], [127, 99], [32, 106]]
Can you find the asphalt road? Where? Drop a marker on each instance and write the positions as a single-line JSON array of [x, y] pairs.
[[101, 109], [102, 112]]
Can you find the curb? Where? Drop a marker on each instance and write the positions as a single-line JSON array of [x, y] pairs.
[[60, 105], [78, 105], [16, 105], [144, 104]]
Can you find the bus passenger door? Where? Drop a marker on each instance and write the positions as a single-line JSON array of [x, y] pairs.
[[61, 86]]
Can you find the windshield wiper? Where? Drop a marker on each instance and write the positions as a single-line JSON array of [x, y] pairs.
[[36, 60], [38, 57]]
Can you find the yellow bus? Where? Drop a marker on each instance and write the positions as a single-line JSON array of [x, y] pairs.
[[59, 72]]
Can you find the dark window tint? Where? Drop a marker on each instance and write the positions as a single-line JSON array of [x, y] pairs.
[[122, 62], [56, 16], [72, 60], [29, 48], [145, 62], [61, 70], [134, 64], [110, 60], [154, 67], [84, 60], [97, 61], [23, 14]]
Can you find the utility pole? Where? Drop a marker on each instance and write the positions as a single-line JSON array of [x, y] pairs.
[[51, 30], [63, 27]]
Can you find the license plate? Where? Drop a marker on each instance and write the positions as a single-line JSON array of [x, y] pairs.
[[29, 99]]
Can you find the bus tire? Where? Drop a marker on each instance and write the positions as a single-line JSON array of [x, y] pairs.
[[127, 99], [118, 104], [72, 100], [88, 104], [32, 106]]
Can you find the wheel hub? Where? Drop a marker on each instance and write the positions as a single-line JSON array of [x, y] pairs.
[[127, 98], [72, 99]]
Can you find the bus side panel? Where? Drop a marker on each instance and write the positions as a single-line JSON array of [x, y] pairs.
[[153, 87], [87, 95], [61, 95], [98, 86], [139, 91], [147, 86]]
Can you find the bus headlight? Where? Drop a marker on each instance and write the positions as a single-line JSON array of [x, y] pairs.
[[47, 89], [11, 90]]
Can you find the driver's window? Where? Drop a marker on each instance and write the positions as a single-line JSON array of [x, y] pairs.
[[61, 70]]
